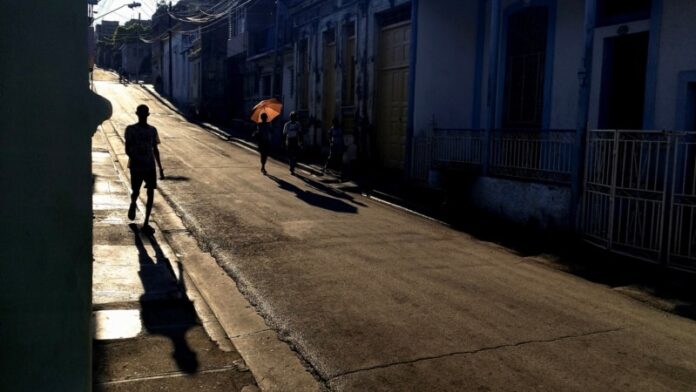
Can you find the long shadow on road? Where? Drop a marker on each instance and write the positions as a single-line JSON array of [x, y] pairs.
[[315, 199], [331, 191], [168, 317]]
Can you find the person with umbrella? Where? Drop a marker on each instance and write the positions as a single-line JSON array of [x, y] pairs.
[[292, 132], [263, 138], [264, 112]]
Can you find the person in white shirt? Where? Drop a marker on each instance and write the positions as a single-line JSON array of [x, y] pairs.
[[292, 132]]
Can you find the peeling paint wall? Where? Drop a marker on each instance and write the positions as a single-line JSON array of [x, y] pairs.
[[530, 204]]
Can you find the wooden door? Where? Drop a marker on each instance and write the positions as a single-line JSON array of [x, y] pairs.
[[391, 109]]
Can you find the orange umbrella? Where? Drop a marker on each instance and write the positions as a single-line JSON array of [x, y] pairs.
[[272, 108]]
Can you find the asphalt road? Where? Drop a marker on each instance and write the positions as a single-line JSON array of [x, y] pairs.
[[378, 299]]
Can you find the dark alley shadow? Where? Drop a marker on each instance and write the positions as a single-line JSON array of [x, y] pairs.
[[564, 251], [161, 314], [315, 199], [331, 191]]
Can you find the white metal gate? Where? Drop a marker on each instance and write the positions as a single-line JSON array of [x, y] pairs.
[[640, 195]]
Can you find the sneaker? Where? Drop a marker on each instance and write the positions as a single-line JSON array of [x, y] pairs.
[[131, 211]]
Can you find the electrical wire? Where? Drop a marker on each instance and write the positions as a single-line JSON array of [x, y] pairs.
[[210, 24]]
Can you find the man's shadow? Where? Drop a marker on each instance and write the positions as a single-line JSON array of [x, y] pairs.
[[163, 313], [315, 199]]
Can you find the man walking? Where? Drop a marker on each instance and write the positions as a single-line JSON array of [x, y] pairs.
[[141, 147]]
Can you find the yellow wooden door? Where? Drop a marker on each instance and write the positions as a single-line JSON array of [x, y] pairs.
[[391, 109], [329, 90]]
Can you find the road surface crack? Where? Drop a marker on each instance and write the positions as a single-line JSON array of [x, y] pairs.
[[479, 350]]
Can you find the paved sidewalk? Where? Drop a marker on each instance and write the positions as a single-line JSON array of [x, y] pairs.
[[147, 335]]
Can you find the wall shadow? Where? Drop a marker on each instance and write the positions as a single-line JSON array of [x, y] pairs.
[[315, 199], [331, 191]]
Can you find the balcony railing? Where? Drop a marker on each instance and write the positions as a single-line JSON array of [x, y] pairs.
[[539, 154], [536, 155], [457, 147]]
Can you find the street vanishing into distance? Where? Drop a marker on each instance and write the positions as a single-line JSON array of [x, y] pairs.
[[373, 298]]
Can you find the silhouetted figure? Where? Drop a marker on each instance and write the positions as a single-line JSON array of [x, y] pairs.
[[292, 132], [263, 138], [336, 148], [141, 147]]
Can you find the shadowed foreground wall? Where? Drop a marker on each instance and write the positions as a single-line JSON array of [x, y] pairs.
[[47, 118]]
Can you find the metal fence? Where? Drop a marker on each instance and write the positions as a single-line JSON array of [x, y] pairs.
[[422, 160], [457, 147], [537, 155], [639, 195], [447, 148]]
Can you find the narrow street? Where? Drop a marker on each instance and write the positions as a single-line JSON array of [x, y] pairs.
[[374, 298]]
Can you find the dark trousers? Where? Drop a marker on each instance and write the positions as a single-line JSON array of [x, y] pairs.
[[293, 149], [264, 147], [335, 159]]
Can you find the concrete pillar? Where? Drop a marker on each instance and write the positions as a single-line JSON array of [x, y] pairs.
[[47, 118]]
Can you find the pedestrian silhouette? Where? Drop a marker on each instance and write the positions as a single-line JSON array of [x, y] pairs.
[[292, 132], [263, 138], [141, 147], [336, 148]]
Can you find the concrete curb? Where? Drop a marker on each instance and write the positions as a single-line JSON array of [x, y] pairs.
[[274, 365]]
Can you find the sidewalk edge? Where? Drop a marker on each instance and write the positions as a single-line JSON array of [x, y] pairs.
[[271, 361]]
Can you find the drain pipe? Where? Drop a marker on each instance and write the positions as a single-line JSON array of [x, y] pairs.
[[410, 131], [493, 55], [585, 85]]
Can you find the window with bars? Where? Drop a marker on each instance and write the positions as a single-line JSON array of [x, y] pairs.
[[523, 103]]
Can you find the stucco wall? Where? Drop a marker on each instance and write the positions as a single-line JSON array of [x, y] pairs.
[[537, 205], [445, 64], [568, 50], [47, 118], [677, 54]]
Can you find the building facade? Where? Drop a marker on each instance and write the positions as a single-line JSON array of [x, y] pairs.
[[136, 60], [104, 36], [331, 60], [503, 100], [575, 115]]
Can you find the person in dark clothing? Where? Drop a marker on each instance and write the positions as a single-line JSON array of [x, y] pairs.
[[336, 148], [292, 132], [263, 138], [141, 147]]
